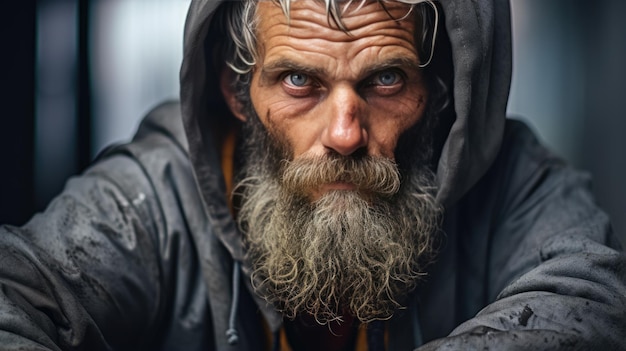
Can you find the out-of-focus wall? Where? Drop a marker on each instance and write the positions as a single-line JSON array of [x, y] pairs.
[[604, 139], [569, 83], [136, 55], [56, 115], [548, 88]]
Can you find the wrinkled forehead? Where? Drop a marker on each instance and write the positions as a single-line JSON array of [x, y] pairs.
[[370, 26], [339, 13]]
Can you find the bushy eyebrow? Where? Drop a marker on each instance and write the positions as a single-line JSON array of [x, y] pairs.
[[405, 62], [285, 65], [288, 65]]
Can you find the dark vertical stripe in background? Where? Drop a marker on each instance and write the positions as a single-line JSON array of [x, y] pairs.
[[45, 102], [84, 109], [17, 110]]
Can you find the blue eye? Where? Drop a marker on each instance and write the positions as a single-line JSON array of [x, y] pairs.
[[387, 78], [297, 79]]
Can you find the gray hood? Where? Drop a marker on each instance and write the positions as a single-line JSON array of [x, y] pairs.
[[479, 38]]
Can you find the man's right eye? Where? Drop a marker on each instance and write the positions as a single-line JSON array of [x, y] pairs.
[[298, 84], [297, 79]]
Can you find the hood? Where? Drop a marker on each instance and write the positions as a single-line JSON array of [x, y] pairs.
[[477, 34]]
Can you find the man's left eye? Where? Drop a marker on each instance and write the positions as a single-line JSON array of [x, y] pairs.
[[387, 78]]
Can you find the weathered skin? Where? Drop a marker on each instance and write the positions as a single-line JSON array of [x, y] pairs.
[[138, 252]]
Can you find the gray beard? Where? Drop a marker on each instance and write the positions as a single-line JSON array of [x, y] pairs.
[[358, 252]]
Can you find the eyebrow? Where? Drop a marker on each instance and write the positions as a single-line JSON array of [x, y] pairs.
[[285, 64], [394, 62]]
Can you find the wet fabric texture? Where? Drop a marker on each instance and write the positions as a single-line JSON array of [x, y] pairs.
[[138, 253]]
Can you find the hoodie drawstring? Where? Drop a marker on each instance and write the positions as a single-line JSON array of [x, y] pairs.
[[232, 333]]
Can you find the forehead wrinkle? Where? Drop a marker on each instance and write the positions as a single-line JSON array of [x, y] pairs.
[[317, 37], [362, 13], [315, 22], [292, 45]]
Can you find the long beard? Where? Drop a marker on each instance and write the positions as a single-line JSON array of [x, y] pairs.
[[349, 251]]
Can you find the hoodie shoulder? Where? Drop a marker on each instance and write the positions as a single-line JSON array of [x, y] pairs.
[[165, 119]]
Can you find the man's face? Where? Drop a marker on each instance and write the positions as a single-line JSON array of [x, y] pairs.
[[332, 223], [320, 90]]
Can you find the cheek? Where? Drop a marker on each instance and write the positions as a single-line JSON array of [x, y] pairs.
[[300, 135], [292, 121], [387, 128], [296, 134], [384, 138]]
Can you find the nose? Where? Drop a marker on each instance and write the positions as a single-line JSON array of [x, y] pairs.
[[345, 132]]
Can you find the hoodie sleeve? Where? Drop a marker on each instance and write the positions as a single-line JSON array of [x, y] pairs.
[[556, 275], [83, 274]]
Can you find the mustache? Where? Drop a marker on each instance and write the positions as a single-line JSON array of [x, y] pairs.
[[370, 174]]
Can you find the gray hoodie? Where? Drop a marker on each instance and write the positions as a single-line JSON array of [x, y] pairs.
[[141, 252]]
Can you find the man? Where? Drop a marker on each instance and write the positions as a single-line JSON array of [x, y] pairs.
[[345, 179]]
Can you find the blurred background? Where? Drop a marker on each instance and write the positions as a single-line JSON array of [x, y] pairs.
[[77, 75]]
